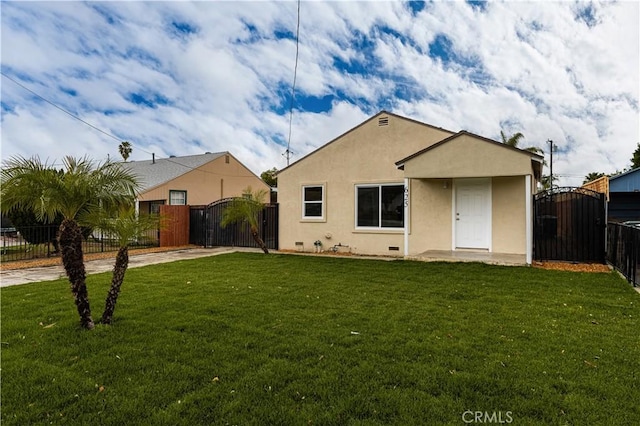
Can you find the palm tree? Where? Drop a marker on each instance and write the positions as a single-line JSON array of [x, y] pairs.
[[546, 182], [246, 209], [513, 140], [79, 188], [592, 176], [125, 225], [125, 149]]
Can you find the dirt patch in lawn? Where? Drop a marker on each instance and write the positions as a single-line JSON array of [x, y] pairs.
[[54, 261], [575, 267]]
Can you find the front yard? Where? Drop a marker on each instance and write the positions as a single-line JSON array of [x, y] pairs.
[[284, 339]]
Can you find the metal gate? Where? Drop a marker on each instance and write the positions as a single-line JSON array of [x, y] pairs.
[[570, 225], [205, 229]]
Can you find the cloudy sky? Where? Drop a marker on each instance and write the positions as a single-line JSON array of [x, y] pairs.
[[181, 78]]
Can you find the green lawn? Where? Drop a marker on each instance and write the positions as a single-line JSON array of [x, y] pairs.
[[251, 339]]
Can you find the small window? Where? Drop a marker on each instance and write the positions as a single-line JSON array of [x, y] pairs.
[[154, 206], [178, 198], [380, 206], [313, 202]]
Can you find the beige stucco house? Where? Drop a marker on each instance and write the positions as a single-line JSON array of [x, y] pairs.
[[396, 186], [191, 180]]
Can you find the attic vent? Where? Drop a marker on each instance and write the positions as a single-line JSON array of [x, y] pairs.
[[383, 121]]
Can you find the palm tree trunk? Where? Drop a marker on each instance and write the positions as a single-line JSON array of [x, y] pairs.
[[73, 262], [119, 269], [258, 240]]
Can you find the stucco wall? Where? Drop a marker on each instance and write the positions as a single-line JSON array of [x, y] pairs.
[[431, 204], [508, 215], [432, 217], [365, 155], [210, 182]]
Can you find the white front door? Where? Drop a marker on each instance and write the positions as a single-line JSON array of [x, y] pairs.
[[472, 213]]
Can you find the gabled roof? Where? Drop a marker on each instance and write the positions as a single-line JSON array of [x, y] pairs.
[[383, 112], [156, 172], [400, 164]]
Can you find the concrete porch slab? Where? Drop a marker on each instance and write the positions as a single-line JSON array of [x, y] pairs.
[[470, 256]]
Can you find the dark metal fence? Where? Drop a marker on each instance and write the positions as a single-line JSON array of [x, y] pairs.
[[623, 251], [205, 229], [569, 225], [198, 225], [37, 242]]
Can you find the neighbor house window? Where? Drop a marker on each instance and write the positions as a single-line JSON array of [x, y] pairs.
[[380, 206], [178, 198], [313, 202], [154, 206]]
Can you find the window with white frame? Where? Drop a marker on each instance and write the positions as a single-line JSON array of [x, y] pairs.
[[177, 198], [313, 202], [380, 206]]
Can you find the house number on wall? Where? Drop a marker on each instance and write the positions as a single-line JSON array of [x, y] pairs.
[[406, 196]]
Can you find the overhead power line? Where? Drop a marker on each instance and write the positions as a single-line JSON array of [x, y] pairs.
[[288, 152], [60, 108], [94, 127]]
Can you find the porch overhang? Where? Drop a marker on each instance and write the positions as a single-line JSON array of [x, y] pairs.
[[465, 155]]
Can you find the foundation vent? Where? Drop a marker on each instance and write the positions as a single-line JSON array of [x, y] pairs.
[[383, 121], [394, 248]]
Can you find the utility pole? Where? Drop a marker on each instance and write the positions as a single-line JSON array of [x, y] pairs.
[[287, 154], [550, 142]]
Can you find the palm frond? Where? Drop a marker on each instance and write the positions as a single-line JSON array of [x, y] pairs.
[[80, 186], [534, 149], [245, 209], [25, 183], [515, 139], [122, 223], [504, 137]]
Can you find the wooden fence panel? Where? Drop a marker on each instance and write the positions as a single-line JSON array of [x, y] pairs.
[[176, 229]]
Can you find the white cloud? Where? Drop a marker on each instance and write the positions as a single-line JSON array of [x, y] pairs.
[[528, 66]]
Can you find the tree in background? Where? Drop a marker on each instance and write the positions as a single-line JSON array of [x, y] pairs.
[[514, 140], [546, 182], [125, 150], [35, 231], [125, 225], [269, 177], [80, 188], [246, 209], [592, 176], [635, 160]]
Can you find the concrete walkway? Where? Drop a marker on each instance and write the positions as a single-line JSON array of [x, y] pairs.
[[47, 273]]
